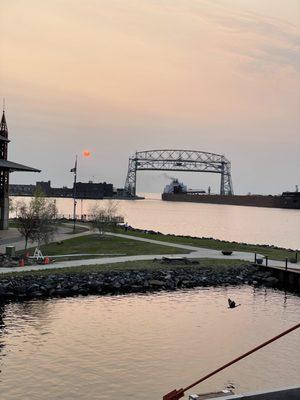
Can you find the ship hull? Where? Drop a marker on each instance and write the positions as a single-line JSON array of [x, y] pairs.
[[290, 202]]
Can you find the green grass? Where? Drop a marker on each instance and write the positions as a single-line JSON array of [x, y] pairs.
[[79, 229], [94, 244], [217, 265], [12, 224], [274, 254]]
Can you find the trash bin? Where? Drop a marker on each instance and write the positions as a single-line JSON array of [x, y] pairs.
[[10, 251]]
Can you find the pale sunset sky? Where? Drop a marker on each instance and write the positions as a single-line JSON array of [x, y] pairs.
[[116, 76]]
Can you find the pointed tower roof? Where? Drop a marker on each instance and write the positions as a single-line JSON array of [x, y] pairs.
[[6, 165], [3, 129]]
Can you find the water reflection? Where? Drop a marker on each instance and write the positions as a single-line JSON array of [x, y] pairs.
[[242, 224], [2, 338], [145, 345], [2, 309]]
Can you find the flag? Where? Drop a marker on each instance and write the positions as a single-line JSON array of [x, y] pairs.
[[75, 167]]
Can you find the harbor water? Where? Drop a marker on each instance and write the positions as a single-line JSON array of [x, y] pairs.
[[142, 346], [273, 226]]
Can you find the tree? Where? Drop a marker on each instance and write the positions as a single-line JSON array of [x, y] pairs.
[[36, 221], [27, 223], [11, 205], [105, 218], [46, 226], [15, 206]]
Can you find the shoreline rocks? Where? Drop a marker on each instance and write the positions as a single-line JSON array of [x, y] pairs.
[[20, 288]]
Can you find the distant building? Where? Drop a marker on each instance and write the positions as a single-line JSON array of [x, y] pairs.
[[5, 168], [93, 190], [45, 187], [83, 190]]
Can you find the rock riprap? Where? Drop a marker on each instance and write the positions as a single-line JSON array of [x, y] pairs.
[[113, 282]]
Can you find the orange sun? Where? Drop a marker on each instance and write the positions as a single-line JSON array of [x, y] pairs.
[[86, 153]]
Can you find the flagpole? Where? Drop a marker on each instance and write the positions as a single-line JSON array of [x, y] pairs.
[[74, 196]]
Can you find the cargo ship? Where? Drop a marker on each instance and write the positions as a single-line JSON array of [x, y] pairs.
[[177, 191]]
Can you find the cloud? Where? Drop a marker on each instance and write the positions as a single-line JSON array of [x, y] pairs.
[[267, 42]]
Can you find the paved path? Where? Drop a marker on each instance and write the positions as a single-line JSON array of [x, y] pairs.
[[13, 238], [195, 252], [9, 236]]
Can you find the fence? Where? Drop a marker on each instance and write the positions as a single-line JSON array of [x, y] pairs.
[[90, 217]]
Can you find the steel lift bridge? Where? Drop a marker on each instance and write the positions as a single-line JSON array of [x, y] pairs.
[[178, 160]]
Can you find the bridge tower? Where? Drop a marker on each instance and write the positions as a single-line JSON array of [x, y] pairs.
[[226, 183], [130, 183]]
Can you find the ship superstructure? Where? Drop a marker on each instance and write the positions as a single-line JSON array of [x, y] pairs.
[[177, 191]]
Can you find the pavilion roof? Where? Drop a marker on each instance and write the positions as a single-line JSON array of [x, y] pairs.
[[12, 166]]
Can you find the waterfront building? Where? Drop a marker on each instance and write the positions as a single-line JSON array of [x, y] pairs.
[[91, 190], [5, 168], [84, 190]]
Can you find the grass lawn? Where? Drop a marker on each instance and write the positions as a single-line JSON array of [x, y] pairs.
[[217, 265], [274, 254], [95, 244], [79, 229], [12, 224]]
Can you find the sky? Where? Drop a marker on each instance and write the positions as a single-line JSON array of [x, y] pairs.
[[118, 76]]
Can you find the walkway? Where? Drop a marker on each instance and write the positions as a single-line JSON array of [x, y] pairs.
[[13, 238], [194, 252]]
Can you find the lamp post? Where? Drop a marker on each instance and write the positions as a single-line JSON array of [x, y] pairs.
[[74, 170]]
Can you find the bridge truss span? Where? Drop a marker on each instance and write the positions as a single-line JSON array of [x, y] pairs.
[[178, 160]]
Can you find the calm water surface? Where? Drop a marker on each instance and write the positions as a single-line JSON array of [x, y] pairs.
[[142, 346], [235, 223]]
